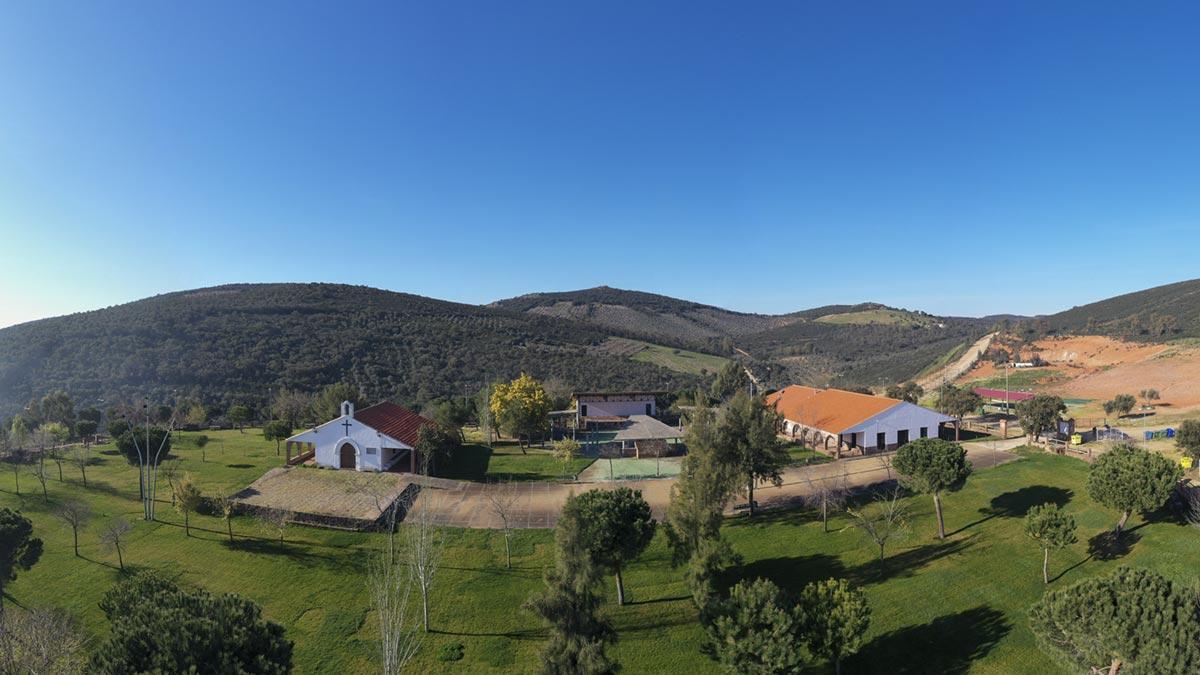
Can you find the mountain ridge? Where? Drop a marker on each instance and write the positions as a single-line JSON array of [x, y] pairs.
[[240, 341]]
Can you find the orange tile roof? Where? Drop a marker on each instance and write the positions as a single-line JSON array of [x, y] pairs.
[[830, 410]]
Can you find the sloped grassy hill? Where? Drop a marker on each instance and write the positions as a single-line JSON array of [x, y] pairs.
[[233, 343], [659, 318]]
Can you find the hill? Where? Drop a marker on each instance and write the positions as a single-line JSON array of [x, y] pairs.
[[1163, 312], [658, 318], [237, 342], [862, 344]]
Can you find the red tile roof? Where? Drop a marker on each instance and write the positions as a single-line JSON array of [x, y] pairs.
[[392, 420], [999, 394], [830, 410]]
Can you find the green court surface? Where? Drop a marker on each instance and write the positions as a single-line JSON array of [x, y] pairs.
[[627, 468]]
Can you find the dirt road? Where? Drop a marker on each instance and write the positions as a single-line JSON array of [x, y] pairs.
[[537, 505], [962, 364]]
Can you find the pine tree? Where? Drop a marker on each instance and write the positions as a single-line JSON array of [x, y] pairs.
[[756, 630], [1053, 529], [1129, 479], [747, 442], [932, 466], [570, 604], [1132, 622], [833, 618]]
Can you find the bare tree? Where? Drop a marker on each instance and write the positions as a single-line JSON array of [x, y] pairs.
[[15, 457], [827, 494], [423, 546], [885, 460], [56, 453], [502, 501], [883, 520], [41, 641], [275, 521], [111, 537], [76, 515], [390, 582], [170, 471], [226, 507], [80, 457], [42, 475]]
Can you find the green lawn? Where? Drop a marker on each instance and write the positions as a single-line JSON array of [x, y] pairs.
[[950, 607], [505, 460], [803, 455]]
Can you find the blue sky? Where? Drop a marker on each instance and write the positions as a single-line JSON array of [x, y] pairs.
[[759, 156]]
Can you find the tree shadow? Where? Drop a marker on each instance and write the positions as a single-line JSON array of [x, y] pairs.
[[948, 644], [295, 552], [1108, 545], [907, 562], [524, 634], [655, 601], [97, 562], [791, 573], [468, 462], [106, 488], [1017, 503]]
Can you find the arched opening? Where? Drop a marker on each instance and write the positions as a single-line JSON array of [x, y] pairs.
[[346, 457]]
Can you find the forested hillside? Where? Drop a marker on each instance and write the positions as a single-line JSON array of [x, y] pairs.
[[234, 343], [1163, 312], [863, 344]]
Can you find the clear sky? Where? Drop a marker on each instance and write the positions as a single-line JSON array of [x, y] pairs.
[[964, 158]]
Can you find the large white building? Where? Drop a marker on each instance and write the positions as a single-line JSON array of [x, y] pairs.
[[379, 438], [837, 420]]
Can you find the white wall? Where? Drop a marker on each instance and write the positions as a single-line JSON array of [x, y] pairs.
[[617, 408], [891, 421], [372, 446]]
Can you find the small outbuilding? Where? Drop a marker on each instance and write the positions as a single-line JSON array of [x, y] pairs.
[[382, 437], [836, 420]]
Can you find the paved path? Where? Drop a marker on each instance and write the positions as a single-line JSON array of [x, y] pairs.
[[537, 505]]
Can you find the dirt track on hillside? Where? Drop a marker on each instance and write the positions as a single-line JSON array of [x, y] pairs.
[[950, 372]]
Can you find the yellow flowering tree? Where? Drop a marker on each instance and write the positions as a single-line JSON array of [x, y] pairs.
[[521, 408]]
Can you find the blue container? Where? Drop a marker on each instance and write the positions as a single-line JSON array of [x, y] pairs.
[[1170, 432], [1149, 435]]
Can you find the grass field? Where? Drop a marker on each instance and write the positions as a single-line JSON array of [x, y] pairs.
[[889, 317], [948, 607], [1019, 378], [505, 460], [680, 360]]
